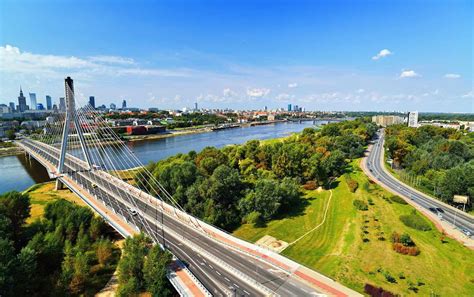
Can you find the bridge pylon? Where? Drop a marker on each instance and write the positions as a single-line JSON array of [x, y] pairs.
[[71, 118]]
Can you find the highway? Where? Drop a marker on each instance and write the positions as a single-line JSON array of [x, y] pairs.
[[375, 164], [188, 244]]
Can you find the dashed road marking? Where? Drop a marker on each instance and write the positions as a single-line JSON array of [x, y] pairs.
[[218, 272], [211, 266], [227, 279], [246, 292], [236, 285]]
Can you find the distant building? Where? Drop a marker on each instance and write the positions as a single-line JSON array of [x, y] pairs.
[[92, 101], [62, 104], [39, 106], [296, 108], [12, 106], [33, 100], [195, 106], [22, 107], [49, 103], [413, 119], [289, 107], [387, 120], [55, 107], [4, 108], [113, 106], [124, 104]]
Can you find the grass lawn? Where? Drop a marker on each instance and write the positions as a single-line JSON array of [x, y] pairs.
[[337, 248], [41, 194]]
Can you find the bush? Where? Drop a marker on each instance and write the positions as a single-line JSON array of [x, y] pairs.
[[352, 184], [406, 250], [415, 221], [360, 205], [310, 185], [403, 244], [398, 199], [377, 291], [389, 277], [254, 218]]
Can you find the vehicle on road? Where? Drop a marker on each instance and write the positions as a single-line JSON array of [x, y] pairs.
[[466, 232], [132, 211]]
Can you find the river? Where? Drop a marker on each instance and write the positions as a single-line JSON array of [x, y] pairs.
[[19, 172]]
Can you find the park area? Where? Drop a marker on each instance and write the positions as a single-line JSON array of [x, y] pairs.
[[354, 244]]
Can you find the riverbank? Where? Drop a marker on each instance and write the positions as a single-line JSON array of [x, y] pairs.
[[10, 151]]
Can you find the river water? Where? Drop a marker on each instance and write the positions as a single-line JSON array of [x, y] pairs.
[[20, 172]]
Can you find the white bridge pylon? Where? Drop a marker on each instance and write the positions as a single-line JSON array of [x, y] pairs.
[[71, 117]]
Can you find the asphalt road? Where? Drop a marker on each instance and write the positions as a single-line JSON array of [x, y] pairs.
[[211, 273], [375, 164]]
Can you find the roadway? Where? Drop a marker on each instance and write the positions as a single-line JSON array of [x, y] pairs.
[[212, 274], [375, 164]]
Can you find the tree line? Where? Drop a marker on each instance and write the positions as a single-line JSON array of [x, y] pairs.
[[259, 181], [442, 158], [66, 253]]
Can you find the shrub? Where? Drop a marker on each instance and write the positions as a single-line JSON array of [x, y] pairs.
[[415, 221], [254, 218], [377, 291], [398, 199], [352, 184], [406, 250], [403, 244], [310, 185], [389, 277], [360, 205]]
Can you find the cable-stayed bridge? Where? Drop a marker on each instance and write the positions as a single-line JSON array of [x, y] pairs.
[[83, 153]]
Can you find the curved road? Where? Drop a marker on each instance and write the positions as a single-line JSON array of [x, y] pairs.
[[375, 164]]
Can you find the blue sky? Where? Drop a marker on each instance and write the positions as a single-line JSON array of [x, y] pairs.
[[323, 55]]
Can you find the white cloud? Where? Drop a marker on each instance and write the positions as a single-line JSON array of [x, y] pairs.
[[468, 95], [284, 97], [452, 75], [112, 60], [292, 85], [408, 74], [382, 54], [13, 60], [227, 92], [360, 91], [257, 92]]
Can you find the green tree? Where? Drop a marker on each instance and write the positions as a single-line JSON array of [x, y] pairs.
[[10, 134], [16, 207], [154, 272]]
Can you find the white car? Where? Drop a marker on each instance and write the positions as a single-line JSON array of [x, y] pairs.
[[133, 212]]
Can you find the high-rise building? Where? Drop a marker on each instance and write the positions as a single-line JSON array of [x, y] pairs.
[[296, 108], [12, 106], [92, 101], [33, 100], [49, 103], [22, 102], [113, 106], [413, 119], [124, 104], [62, 104], [40, 106], [195, 106], [289, 107]]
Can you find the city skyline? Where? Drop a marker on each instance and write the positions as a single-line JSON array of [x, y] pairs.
[[324, 57]]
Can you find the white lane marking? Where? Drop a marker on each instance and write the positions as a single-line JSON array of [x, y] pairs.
[[236, 285], [227, 279], [246, 292], [218, 272], [211, 266]]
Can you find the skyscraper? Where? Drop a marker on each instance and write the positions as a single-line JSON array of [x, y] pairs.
[[113, 106], [33, 100], [124, 104], [92, 101], [22, 102], [49, 103], [289, 107], [62, 104], [12, 106]]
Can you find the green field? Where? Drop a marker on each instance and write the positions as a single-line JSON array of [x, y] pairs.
[[336, 249]]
